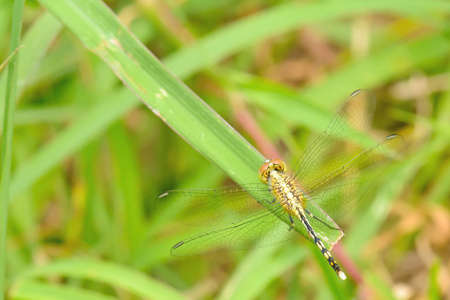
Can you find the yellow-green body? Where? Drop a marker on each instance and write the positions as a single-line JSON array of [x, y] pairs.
[[288, 193]]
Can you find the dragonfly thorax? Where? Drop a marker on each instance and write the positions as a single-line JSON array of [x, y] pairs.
[[282, 186], [286, 191]]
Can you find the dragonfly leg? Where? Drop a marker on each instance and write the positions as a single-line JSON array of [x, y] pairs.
[[331, 261], [313, 216], [271, 202], [292, 222]]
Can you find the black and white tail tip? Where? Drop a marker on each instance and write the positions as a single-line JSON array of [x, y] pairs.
[[321, 246], [329, 258]]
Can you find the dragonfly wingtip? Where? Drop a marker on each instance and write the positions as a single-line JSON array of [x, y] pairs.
[[355, 93], [178, 245]]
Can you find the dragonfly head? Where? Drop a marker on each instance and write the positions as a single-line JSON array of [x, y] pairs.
[[268, 167]]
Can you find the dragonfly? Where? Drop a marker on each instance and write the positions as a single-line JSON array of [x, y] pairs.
[[329, 178]]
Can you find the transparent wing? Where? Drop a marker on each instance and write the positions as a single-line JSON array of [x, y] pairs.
[[260, 229], [338, 191], [341, 141], [256, 225], [324, 226], [212, 207], [333, 173]]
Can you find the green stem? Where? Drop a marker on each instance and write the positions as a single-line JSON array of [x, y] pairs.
[[7, 139]]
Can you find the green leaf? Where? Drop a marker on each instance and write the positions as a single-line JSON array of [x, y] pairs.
[[115, 275], [34, 290], [7, 138], [434, 292], [260, 267]]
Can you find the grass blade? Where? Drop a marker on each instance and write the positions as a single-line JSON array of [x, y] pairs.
[[113, 274], [7, 138], [34, 290], [169, 98]]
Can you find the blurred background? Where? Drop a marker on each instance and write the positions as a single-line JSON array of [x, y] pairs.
[[86, 169]]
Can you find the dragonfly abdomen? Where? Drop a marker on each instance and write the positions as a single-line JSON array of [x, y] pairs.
[[300, 212], [287, 192]]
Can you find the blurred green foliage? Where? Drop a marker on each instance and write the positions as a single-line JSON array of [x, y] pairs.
[[89, 159]]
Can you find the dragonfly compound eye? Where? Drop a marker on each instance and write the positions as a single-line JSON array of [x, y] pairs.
[[279, 165], [269, 166]]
